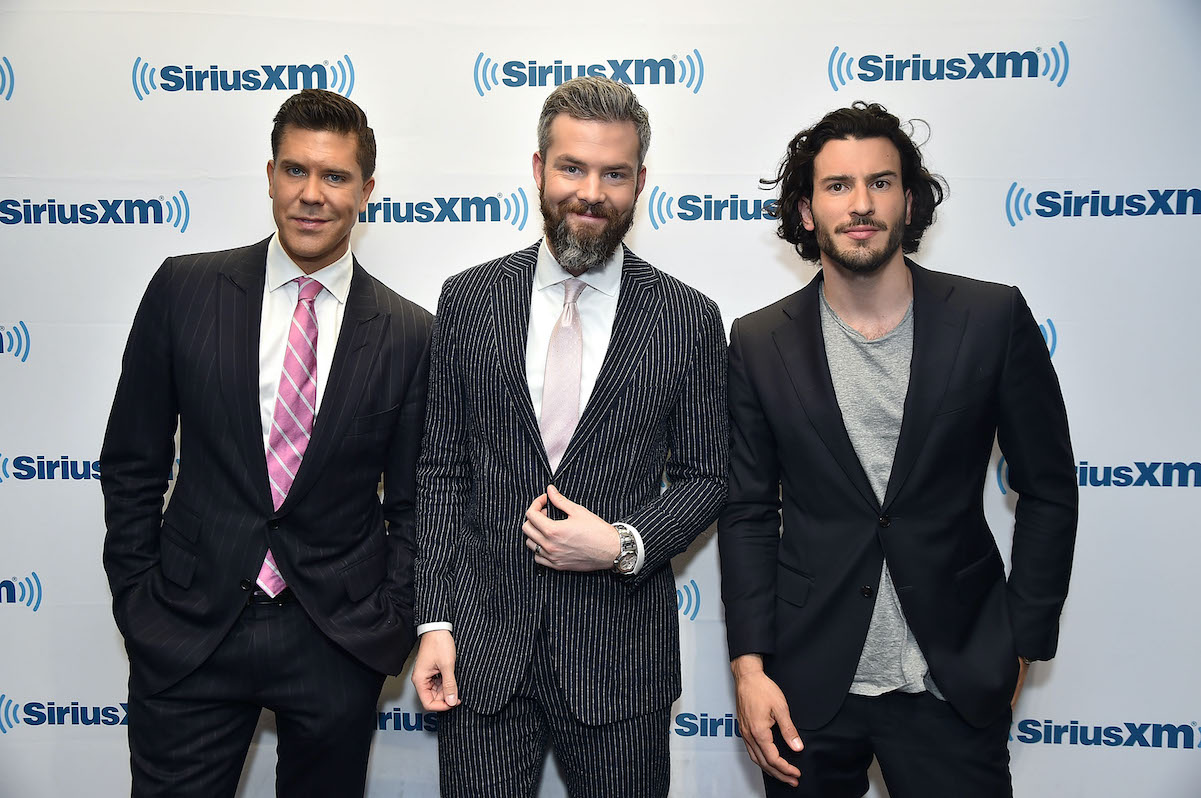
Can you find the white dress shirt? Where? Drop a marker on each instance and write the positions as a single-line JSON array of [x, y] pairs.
[[597, 307], [279, 303]]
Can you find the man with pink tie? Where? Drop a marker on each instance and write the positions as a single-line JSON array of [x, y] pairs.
[[274, 578]]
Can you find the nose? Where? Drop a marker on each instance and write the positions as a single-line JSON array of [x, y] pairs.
[[862, 202], [310, 191], [590, 189]]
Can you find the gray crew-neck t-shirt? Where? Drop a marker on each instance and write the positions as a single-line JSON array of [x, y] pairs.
[[871, 378]]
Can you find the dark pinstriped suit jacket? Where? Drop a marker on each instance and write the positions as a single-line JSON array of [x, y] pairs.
[[661, 391], [193, 356]]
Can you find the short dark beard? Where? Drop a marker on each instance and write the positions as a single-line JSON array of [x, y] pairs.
[[580, 253], [860, 260]]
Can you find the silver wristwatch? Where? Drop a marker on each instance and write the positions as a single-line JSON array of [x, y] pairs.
[[627, 558]]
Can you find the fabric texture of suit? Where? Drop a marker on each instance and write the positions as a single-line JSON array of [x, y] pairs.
[[178, 575], [659, 404], [803, 595]]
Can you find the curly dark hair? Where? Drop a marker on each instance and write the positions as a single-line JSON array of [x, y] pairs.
[[318, 109], [860, 121]]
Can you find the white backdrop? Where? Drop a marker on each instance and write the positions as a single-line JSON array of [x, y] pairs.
[[1096, 99]]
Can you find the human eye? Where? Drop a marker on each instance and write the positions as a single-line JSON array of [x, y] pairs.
[[882, 183], [836, 188], [334, 178], [571, 169], [294, 171]]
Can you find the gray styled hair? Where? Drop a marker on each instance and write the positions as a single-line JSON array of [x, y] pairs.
[[594, 98]]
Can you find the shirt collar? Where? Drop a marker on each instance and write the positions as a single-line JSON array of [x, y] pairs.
[[605, 278], [335, 277]]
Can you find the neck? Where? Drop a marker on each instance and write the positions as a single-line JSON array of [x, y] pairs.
[[871, 303]]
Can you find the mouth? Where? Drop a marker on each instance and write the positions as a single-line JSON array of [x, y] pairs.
[[309, 223]]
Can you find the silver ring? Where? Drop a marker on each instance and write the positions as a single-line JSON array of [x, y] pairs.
[[538, 550]]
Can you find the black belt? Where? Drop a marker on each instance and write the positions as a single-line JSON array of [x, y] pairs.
[[285, 596]]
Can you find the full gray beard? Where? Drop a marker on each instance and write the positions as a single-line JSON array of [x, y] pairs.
[[578, 254]]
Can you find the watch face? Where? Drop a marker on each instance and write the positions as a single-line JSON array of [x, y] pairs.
[[625, 564]]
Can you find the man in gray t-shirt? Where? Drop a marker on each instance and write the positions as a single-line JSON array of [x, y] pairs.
[[867, 606]]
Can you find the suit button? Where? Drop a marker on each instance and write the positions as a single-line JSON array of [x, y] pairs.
[[866, 590], [246, 585], [273, 524], [885, 521]]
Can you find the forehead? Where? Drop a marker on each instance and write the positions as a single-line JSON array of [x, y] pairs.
[[856, 157], [585, 138], [326, 147]]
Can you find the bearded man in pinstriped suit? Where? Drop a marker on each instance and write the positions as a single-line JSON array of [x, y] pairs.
[[564, 380]]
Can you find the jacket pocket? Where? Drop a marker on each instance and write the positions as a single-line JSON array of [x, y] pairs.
[[792, 586], [363, 577], [974, 580], [373, 422], [178, 564]]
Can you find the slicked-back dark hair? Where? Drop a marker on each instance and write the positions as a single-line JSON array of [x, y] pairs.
[[860, 121], [318, 109]]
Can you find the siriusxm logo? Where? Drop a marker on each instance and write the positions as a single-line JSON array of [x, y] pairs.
[[691, 724], [338, 77], [1050, 337], [26, 590], [688, 71], [7, 79], [27, 467], [688, 600], [1125, 735], [842, 67], [174, 211], [1139, 474], [396, 720], [47, 713], [664, 207], [516, 210], [1152, 202], [14, 340]]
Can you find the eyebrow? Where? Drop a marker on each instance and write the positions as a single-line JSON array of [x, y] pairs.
[[621, 167], [284, 163], [848, 179]]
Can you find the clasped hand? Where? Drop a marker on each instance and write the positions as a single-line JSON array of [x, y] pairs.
[[582, 541]]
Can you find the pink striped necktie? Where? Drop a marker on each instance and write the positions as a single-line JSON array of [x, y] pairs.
[[561, 384], [295, 409]]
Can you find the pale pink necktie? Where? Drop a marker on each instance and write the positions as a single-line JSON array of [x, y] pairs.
[[295, 409], [561, 384]]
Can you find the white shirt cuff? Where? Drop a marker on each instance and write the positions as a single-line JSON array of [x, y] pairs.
[[434, 626]]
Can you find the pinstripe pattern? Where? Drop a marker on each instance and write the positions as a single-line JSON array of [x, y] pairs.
[[612, 642], [625, 759], [192, 359]]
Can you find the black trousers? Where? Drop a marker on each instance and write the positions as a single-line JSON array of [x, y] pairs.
[[502, 755], [191, 739], [925, 750]]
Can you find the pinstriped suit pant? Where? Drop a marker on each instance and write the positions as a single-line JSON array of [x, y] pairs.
[[191, 739], [502, 755]]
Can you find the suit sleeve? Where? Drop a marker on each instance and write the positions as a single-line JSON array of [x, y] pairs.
[[1032, 430], [443, 475], [139, 443], [400, 490], [697, 468], [748, 531]]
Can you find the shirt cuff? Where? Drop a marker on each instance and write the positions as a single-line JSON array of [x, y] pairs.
[[434, 626], [638, 545]]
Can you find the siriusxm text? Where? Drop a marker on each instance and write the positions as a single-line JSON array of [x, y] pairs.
[[39, 467], [102, 211], [692, 207], [437, 209], [1140, 474], [970, 66], [280, 77], [637, 71], [36, 713], [1152, 202], [1128, 735]]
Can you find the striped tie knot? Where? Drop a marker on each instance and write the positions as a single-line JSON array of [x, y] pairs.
[[309, 288]]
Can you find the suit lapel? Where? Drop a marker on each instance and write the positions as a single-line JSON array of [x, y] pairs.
[[937, 332], [363, 325], [639, 305], [802, 348], [511, 321], [239, 315]]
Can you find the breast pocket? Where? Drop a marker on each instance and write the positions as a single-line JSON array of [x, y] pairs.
[[976, 392], [373, 423]]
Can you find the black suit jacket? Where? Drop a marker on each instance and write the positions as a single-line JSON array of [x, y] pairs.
[[193, 358], [614, 641], [803, 595]]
